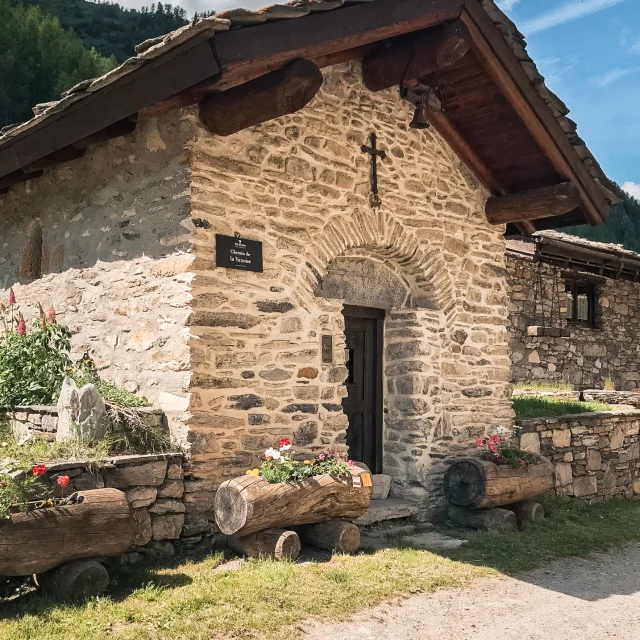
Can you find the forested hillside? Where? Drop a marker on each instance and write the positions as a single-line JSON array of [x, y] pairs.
[[110, 28], [39, 60], [622, 227]]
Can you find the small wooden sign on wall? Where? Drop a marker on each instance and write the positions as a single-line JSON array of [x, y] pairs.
[[234, 252]]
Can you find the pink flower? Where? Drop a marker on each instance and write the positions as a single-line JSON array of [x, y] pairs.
[[479, 442], [495, 439], [321, 456], [39, 470], [493, 448], [351, 463], [522, 463], [52, 314], [63, 481], [22, 327], [12, 297], [499, 459]]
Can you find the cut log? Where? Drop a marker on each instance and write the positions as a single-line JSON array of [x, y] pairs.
[[333, 535], [77, 579], [480, 484], [100, 524], [527, 511], [277, 544], [271, 96], [484, 519], [533, 205], [440, 48], [248, 504]]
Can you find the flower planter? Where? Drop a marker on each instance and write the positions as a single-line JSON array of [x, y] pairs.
[[479, 484], [99, 523], [249, 504]]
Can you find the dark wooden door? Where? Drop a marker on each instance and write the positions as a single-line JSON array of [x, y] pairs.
[[363, 405]]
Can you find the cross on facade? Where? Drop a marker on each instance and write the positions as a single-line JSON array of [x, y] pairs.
[[375, 154]]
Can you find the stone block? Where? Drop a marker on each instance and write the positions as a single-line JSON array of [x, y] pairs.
[[636, 487], [68, 410], [143, 530], [530, 442], [381, 486], [561, 438], [167, 527], [163, 506], [388, 509], [175, 472], [594, 460], [585, 486], [564, 474], [92, 417], [148, 474], [617, 438], [141, 496], [171, 489]]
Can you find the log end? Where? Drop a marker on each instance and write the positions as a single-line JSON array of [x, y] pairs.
[[465, 482], [288, 546], [231, 508]]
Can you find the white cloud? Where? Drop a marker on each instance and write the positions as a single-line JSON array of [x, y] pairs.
[[567, 13], [632, 188], [507, 5], [635, 48], [613, 76]]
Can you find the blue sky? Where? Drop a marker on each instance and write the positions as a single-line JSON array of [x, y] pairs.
[[589, 52]]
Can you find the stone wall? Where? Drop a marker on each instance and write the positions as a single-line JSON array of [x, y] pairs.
[[589, 355], [596, 455], [300, 185], [110, 235]]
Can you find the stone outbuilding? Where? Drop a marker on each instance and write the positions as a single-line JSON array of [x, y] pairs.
[[575, 311], [290, 223]]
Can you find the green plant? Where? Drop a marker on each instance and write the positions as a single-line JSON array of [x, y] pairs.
[[505, 452], [609, 384], [541, 407], [280, 465], [32, 362]]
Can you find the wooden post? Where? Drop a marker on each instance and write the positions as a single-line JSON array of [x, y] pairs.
[[439, 48], [277, 544], [489, 519], [334, 535], [527, 511], [533, 205], [273, 95]]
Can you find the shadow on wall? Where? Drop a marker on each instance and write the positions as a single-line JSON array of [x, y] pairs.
[[125, 199]]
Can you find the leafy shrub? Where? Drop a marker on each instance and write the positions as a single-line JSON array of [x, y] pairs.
[[32, 362], [505, 452], [280, 466]]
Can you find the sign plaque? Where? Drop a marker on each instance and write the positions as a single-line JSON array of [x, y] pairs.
[[238, 253]]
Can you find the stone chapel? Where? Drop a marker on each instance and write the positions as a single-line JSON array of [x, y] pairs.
[[290, 223]]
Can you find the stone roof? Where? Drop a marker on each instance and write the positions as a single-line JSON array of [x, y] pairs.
[[243, 18]]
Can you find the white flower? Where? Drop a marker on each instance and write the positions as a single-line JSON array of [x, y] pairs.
[[502, 431], [285, 447], [272, 453]]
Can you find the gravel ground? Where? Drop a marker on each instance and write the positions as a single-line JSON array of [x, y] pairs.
[[595, 598]]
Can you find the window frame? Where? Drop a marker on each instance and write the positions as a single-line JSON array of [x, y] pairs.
[[592, 302]]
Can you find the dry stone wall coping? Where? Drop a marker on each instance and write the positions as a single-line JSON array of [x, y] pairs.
[[596, 456]]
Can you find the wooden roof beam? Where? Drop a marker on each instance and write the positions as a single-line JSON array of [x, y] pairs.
[[509, 76], [535, 204]]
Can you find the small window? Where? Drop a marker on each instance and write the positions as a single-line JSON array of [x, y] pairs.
[[580, 303]]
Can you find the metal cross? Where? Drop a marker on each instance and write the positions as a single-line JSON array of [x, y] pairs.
[[375, 154]]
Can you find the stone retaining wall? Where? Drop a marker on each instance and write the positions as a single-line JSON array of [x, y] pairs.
[[596, 455], [154, 486]]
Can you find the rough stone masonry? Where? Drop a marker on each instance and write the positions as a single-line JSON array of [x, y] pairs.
[[233, 357]]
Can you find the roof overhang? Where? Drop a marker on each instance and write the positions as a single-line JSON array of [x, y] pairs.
[[492, 115]]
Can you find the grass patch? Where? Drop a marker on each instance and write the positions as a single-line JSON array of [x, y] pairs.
[[541, 407], [111, 392], [543, 385], [187, 600]]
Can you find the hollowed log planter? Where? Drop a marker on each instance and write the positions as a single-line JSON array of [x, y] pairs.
[[249, 504], [479, 484], [99, 524]]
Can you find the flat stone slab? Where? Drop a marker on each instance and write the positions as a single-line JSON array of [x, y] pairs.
[[389, 509], [433, 541]]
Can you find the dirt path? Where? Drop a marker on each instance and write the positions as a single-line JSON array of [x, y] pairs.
[[597, 598]]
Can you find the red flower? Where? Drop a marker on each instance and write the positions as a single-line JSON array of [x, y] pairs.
[[285, 442], [63, 481], [522, 463], [12, 297], [493, 448], [39, 469], [22, 326], [479, 442], [495, 439], [52, 314], [499, 459]]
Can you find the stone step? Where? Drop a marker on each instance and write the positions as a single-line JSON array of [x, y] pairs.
[[389, 509]]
